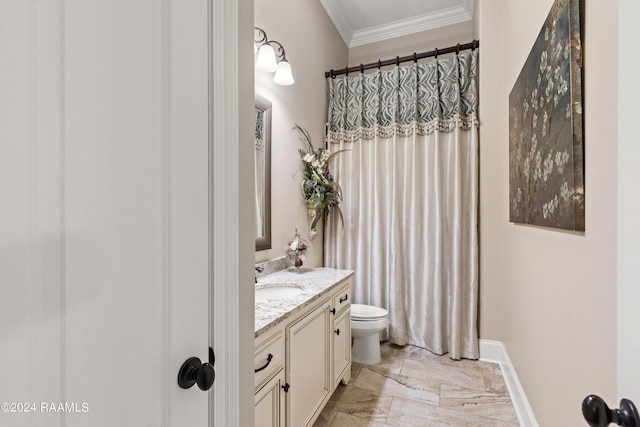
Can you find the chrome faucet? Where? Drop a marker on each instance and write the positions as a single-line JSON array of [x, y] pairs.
[[258, 270]]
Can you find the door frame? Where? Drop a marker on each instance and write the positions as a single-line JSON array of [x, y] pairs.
[[231, 236], [628, 346], [223, 137]]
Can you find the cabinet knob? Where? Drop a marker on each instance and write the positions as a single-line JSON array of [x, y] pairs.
[[337, 331], [285, 387], [333, 311]]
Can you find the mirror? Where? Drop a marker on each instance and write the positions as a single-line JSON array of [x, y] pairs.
[[263, 173]]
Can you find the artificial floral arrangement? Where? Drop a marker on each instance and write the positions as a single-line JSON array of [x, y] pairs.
[[296, 250], [320, 191]]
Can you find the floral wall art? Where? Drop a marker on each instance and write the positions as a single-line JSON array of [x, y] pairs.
[[546, 165], [321, 193]]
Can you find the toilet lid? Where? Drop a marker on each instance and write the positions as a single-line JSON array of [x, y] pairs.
[[367, 312]]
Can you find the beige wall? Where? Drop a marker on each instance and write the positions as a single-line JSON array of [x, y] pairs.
[[549, 295], [312, 46], [493, 111]]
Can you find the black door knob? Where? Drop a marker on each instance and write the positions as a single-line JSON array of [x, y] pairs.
[[193, 371], [597, 413]]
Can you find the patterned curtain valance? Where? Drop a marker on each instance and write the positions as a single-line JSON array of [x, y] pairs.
[[422, 98]]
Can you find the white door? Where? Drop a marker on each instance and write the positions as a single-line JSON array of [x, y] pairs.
[[104, 211]]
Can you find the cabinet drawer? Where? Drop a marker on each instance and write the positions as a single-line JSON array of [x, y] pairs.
[[343, 298], [269, 358]]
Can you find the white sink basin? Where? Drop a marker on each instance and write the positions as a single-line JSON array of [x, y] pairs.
[[279, 291]]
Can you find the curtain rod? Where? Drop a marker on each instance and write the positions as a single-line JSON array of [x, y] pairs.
[[398, 59]]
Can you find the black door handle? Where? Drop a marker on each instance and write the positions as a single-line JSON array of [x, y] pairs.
[[193, 371], [597, 413]]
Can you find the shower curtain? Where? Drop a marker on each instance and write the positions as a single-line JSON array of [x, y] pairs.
[[410, 198]]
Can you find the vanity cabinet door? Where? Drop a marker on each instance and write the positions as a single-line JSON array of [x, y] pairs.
[[342, 348], [308, 366], [269, 403]]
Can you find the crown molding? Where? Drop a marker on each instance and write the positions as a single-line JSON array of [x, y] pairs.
[[339, 18], [405, 27], [429, 21]]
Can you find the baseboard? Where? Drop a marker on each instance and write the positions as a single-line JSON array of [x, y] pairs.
[[495, 352]]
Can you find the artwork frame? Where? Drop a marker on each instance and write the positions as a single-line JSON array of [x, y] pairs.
[[546, 146]]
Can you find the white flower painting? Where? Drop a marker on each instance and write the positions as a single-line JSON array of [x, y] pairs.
[[546, 155]]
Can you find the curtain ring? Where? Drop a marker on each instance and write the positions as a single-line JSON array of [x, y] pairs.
[[458, 49], [379, 64], [398, 61], [361, 68], [332, 74], [473, 46], [346, 71], [436, 53], [415, 58]]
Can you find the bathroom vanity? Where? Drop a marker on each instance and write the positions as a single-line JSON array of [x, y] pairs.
[[302, 343]]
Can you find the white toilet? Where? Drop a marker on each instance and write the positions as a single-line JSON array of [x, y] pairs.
[[367, 322]]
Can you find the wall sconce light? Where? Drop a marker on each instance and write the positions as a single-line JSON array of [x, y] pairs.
[[267, 60]]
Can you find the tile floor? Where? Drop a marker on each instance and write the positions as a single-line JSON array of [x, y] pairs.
[[413, 387]]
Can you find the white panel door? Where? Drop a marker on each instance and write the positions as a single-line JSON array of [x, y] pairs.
[[104, 216]]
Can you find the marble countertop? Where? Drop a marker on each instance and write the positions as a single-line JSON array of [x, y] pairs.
[[314, 283]]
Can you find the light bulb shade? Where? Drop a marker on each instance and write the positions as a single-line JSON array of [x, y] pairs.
[[266, 59], [283, 75]]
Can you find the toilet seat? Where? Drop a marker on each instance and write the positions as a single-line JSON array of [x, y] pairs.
[[367, 313]]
